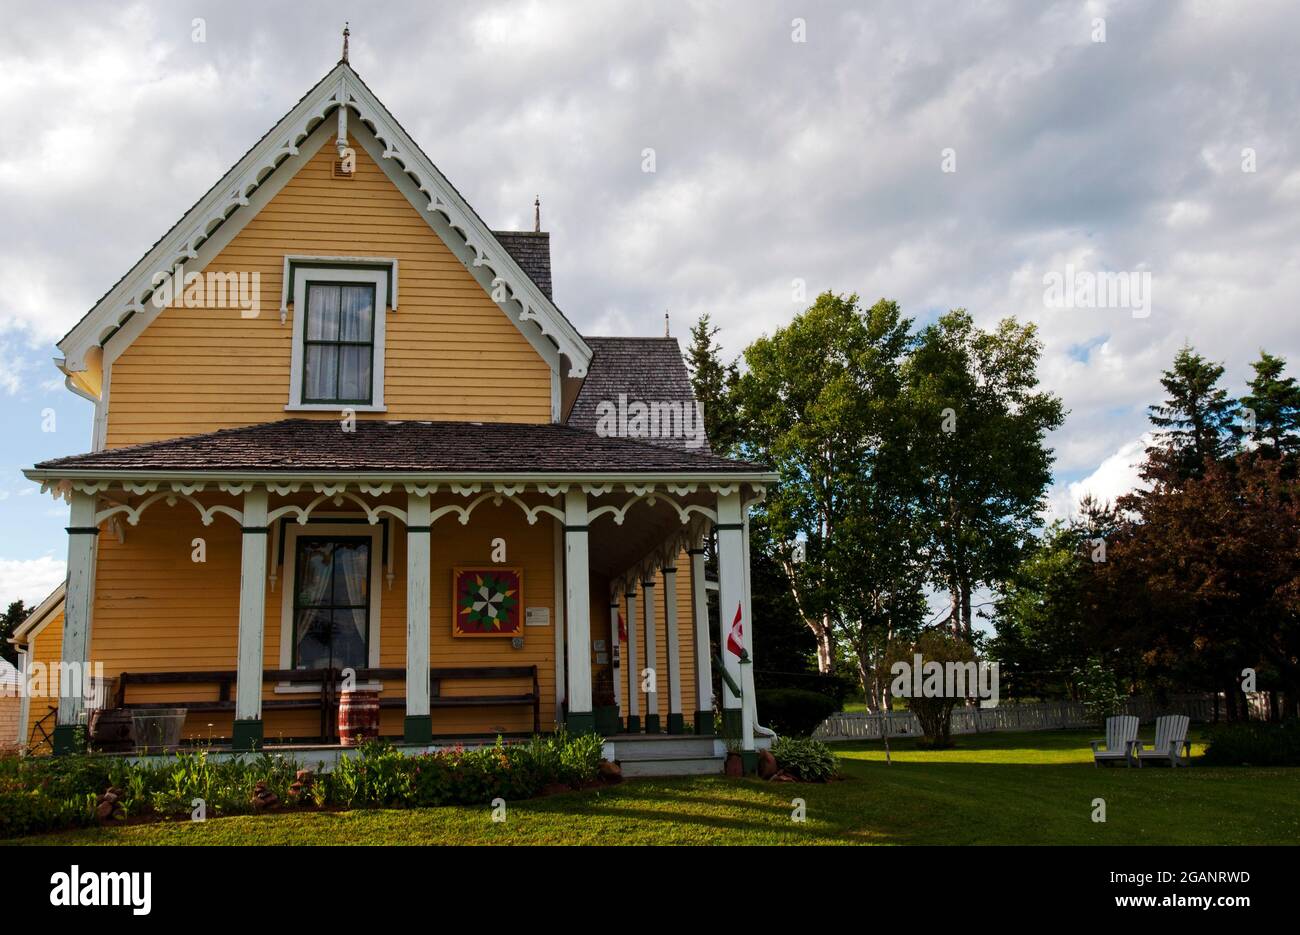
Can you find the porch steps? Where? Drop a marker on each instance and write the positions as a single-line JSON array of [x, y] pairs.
[[667, 755]]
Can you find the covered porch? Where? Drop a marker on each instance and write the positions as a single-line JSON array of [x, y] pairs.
[[183, 586]]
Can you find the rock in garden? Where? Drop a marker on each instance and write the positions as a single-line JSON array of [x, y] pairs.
[[264, 797], [109, 807], [767, 767], [302, 784], [610, 772]]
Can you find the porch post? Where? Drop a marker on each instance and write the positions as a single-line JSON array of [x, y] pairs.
[[24, 700], [83, 542], [733, 614], [615, 653], [703, 664], [248, 734], [577, 609], [676, 724], [652, 694], [749, 700], [633, 697], [418, 724]]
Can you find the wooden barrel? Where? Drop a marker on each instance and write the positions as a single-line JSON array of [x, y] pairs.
[[358, 716]]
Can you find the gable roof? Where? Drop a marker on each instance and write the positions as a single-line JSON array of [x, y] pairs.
[[532, 251], [45, 611], [300, 446], [229, 200], [643, 369]]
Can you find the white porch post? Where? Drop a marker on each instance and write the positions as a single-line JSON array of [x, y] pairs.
[[24, 702], [248, 733], [577, 607], [616, 652], [733, 613], [749, 700], [633, 696], [676, 723], [417, 727], [703, 664], [83, 543], [652, 674]]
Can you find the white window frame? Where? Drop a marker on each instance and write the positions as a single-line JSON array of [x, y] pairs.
[[304, 276], [291, 533]]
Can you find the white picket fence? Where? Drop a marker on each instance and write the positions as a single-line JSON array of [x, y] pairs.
[[1041, 715]]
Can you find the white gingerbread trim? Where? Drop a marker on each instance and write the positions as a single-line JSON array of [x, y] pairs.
[[341, 87]]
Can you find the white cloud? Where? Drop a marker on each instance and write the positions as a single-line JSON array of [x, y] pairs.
[[776, 160], [1115, 476], [30, 580]]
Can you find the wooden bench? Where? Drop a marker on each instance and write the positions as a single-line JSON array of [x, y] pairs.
[[437, 699], [326, 700]]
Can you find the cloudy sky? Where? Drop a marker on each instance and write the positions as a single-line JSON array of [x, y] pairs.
[[1169, 149]]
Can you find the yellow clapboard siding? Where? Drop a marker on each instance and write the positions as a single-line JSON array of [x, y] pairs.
[[44, 651], [451, 353]]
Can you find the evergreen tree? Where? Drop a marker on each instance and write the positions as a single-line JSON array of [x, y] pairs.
[[1195, 421], [714, 384], [13, 616], [1270, 412]]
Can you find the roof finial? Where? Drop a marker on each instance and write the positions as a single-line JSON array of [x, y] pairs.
[[666, 334], [537, 214], [346, 32]]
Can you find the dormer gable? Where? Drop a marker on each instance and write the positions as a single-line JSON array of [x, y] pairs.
[[388, 228]]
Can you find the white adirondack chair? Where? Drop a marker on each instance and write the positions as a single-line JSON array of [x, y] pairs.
[[1171, 739], [1121, 735]]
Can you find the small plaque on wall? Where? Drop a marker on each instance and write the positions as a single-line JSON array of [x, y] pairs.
[[537, 617], [602, 659], [598, 646]]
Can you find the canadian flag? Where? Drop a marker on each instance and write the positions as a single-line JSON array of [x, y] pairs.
[[736, 636], [622, 627]]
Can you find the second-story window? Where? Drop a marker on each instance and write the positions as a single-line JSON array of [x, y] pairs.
[[339, 343], [339, 312]]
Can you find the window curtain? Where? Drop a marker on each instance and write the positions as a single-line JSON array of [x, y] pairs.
[[314, 623], [356, 305], [351, 590], [321, 361]]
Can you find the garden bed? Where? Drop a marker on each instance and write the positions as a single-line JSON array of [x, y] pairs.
[[53, 793]]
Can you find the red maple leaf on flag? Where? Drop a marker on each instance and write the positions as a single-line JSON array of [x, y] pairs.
[[736, 636]]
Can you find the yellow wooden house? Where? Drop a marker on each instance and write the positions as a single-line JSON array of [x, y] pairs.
[[343, 431]]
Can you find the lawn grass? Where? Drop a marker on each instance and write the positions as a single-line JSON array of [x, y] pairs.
[[1002, 788]]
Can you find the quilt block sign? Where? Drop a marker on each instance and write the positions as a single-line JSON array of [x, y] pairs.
[[487, 601]]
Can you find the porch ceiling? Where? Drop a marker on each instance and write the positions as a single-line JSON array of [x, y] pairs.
[[613, 549]]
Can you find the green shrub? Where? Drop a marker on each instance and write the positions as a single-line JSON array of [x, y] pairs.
[[28, 811], [833, 685], [559, 757], [794, 711], [378, 775], [1254, 744], [807, 759], [474, 777]]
